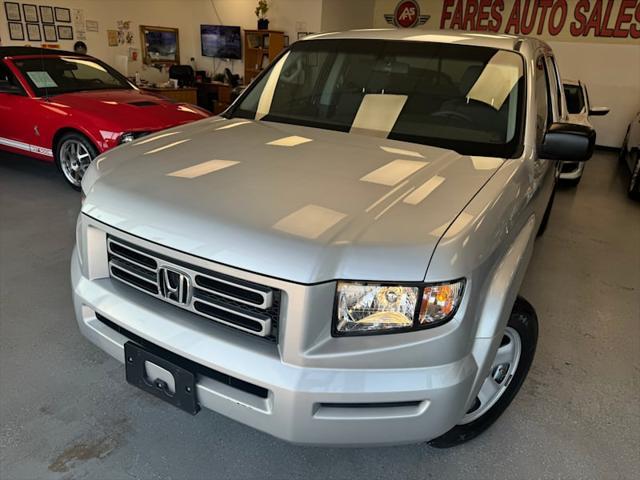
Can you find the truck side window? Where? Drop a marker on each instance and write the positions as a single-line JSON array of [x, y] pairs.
[[586, 96], [556, 87], [542, 98]]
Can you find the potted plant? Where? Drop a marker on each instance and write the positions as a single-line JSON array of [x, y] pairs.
[[261, 12]]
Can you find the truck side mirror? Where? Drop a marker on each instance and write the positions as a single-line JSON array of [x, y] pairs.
[[598, 111], [570, 142]]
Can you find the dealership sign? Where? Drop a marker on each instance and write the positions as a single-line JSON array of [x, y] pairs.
[[406, 15], [562, 20], [599, 18]]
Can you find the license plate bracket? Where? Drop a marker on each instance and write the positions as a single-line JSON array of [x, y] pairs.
[[184, 396]]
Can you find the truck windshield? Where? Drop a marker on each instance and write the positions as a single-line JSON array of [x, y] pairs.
[[56, 75], [464, 98]]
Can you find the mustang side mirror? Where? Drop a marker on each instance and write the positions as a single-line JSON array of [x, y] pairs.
[[568, 141], [598, 111]]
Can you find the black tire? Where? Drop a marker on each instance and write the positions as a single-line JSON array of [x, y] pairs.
[[74, 138], [622, 155], [634, 183], [547, 214], [524, 321]]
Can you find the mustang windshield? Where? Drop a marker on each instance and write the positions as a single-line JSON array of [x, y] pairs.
[[56, 75], [465, 98]]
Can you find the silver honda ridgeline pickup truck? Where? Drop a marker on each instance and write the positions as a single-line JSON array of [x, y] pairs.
[[336, 259]]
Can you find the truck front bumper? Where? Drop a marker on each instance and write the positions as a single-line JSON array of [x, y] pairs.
[[314, 406]]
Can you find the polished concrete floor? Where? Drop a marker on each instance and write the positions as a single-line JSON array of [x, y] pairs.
[[66, 411]]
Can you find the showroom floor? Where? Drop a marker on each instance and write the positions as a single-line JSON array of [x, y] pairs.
[[66, 411]]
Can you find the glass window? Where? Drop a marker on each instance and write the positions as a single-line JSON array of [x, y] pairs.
[[543, 101], [56, 75], [557, 90], [4, 74], [464, 98], [575, 99], [587, 102], [7, 79]]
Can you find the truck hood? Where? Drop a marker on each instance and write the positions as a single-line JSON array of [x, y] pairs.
[[130, 109], [296, 203]]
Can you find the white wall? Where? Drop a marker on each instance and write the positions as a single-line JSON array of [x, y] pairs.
[[612, 75], [187, 16], [338, 15]]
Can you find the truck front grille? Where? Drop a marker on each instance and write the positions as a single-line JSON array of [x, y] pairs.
[[238, 303]]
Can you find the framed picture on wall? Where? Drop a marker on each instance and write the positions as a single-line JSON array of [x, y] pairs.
[[160, 45], [12, 10], [63, 15], [33, 32], [46, 14], [65, 32], [92, 26], [30, 13], [16, 31], [49, 32], [112, 38]]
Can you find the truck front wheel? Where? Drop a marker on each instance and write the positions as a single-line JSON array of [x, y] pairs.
[[508, 370]]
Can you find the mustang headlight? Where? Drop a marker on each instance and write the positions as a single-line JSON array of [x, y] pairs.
[[373, 308], [131, 136]]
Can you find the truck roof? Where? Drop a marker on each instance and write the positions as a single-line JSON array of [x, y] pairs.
[[492, 40]]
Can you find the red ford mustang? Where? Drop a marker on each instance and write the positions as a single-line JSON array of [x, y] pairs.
[[68, 108]]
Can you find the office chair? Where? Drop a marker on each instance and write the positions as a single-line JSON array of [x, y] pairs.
[[182, 73], [231, 79]]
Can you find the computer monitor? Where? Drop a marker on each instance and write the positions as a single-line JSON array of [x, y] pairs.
[[221, 41]]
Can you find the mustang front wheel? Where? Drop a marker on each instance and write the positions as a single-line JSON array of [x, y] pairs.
[[508, 370], [74, 154]]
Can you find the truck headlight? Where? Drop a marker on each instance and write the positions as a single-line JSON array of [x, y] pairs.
[[439, 303], [363, 308]]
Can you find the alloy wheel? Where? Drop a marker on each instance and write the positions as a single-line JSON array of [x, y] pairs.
[[74, 160], [502, 370]]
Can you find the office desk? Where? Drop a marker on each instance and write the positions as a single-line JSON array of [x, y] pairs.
[[184, 95], [214, 96]]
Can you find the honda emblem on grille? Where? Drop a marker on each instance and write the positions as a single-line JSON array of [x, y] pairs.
[[174, 286]]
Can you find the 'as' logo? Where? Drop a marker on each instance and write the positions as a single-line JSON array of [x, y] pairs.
[[406, 15]]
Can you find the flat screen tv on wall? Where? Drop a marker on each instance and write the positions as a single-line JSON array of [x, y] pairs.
[[221, 41]]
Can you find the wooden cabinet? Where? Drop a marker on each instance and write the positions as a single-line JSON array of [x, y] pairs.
[[214, 96], [183, 95], [261, 47]]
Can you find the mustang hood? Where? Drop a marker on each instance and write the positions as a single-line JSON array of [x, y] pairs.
[[297, 203], [130, 109]]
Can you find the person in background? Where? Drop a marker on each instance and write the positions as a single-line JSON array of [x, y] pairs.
[[80, 48]]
